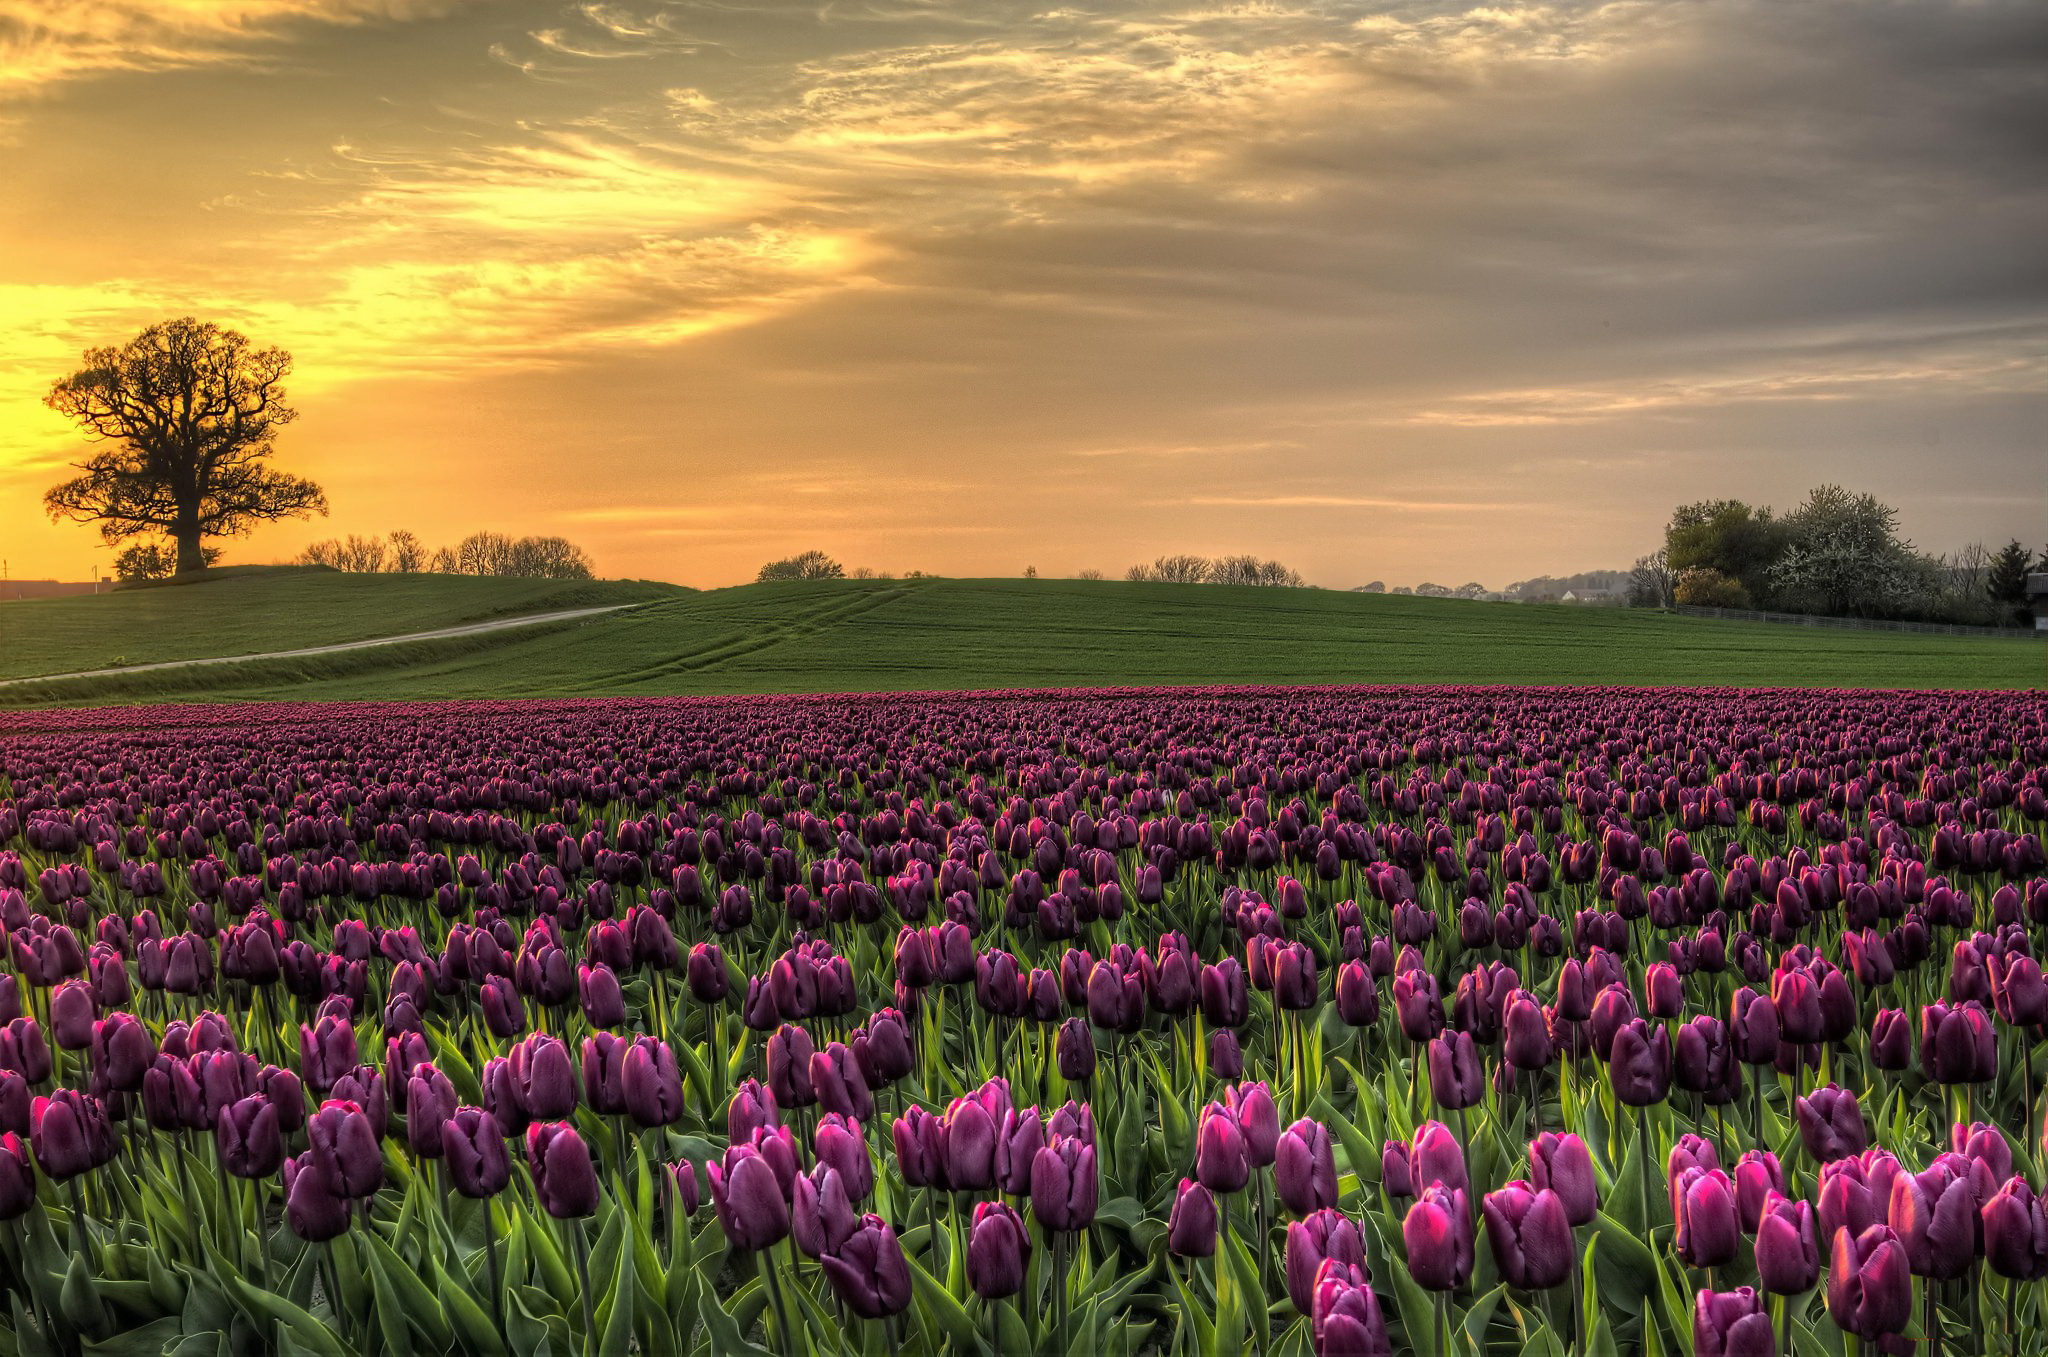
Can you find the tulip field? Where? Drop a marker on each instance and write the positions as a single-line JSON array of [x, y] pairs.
[[1174, 1022]]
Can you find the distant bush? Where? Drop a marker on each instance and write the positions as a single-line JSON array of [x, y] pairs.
[[1703, 587], [811, 565], [154, 561]]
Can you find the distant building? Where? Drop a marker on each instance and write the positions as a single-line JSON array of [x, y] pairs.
[[2037, 599], [12, 590], [1589, 596]]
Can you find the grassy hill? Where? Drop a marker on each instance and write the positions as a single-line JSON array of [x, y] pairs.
[[247, 611], [877, 635]]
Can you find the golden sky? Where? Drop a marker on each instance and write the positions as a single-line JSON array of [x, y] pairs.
[[1388, 291]]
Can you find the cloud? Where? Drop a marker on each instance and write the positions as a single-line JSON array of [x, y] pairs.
[[44, 42]]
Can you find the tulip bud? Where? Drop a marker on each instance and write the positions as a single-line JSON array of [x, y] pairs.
[[1455, 1077], [1787, 1248], [998, 1251], [1437, 1233], [313, 1207], [1064, 1184], [1226, 1057], [1075, 1051], [1305, 1167], [473, 1145], [342, 1146], [1191, 1224], [1221, 1160], [2016, 1232], [564, 1179], [1709, 1225]]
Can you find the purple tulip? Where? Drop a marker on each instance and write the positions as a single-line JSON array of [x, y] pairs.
[[1344, 1317], [342, 1146], [1639, 1065], [17, 1179], [1891, 1040], [1787, 1246], [1831, 1124], [998, 1251], [2015, 1226], [1455, 1077], [1856, 1194], [1870, 1287], [821, 1215], [1732, 1324], [247, 1136], [313, 1207], [1305, 1168], [473, 1146], [1075, 1050], [1317, 1236], [869, 1272], [1191, 1223], [1434, 1156], [1561, 1162], [1709, 1222], [840, 1142], [1063, 1184], [1934, 1213], [1757, 1175], [564, 1179], [1530, 1234], [1957, 1043], [751, 1203], [1437, 1233], [1222, 1162]]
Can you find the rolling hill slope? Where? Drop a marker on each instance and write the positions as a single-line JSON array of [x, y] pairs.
[[878, 635]]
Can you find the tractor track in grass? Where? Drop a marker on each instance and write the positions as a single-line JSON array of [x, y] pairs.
[[334, 648]]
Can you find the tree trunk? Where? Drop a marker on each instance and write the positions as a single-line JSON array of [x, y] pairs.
[[191, 556]]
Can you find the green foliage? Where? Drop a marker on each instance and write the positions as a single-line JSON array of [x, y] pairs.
[[1705, 587], [1730, 538], [2007, 581]]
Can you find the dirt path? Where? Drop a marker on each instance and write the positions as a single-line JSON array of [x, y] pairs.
[[471, 629]]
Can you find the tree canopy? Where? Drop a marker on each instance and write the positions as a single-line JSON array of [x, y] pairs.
[[188, 412]]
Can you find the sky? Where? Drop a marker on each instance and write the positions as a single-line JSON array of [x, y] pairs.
[[1401, 291]]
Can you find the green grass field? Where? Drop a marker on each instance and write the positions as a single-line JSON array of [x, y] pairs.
[[879, 635], [244, 612]]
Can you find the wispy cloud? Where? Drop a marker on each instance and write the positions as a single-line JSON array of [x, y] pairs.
[[43, 42]]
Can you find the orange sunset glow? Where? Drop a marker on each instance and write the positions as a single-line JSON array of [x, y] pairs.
[[1393, 290]]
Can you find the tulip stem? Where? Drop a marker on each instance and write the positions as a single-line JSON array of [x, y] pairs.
[[497, 1283], [582, 1239]]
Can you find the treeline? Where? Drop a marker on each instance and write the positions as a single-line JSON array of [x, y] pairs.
[[1838, 553], [480, 553], [1185, 569]]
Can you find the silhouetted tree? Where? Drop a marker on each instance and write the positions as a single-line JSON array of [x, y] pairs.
[[811, 565], [189, 411], [408, 553], [1652, 583]]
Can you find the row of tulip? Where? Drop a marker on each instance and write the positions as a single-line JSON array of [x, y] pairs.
[[1314, 1010]]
